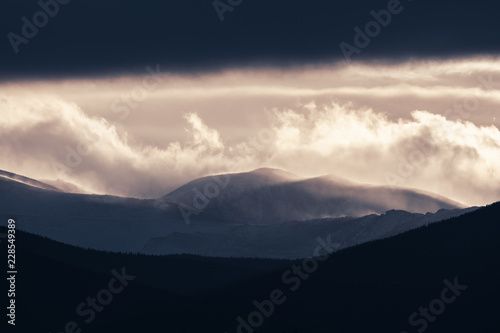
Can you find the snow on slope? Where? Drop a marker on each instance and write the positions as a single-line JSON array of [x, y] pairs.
[[28, 181], [65, 186], [268, 196], [157, 227]]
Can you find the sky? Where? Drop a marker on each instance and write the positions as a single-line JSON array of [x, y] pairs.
[[137, 98]]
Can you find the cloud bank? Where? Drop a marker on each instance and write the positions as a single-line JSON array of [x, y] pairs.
[[454, 158], [347, 121]]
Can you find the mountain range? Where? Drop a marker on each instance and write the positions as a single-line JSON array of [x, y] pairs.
[[264, 213], [269, 196]]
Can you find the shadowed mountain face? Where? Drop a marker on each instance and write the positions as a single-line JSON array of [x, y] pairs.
[[158, 227], [267, 196], [293, 239]]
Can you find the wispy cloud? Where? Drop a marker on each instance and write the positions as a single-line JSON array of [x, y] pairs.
[[452, 157]]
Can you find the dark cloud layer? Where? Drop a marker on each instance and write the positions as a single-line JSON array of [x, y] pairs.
[[95, 38]]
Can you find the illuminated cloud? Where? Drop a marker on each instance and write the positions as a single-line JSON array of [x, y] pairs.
[[204, 137], [454, 158], [47, 137], [360, 122]]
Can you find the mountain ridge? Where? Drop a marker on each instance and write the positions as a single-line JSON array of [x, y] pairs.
[[267, 196], [158, 227], [27, 181]]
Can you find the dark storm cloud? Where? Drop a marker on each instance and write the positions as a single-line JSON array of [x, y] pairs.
[[96, 38]]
